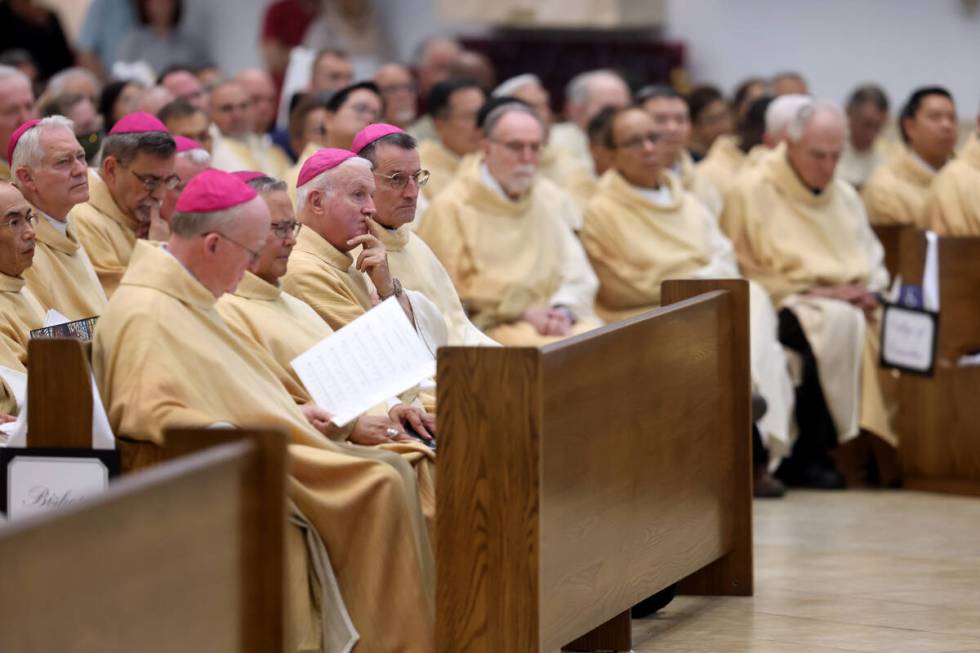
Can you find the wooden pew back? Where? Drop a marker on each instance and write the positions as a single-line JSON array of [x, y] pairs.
[[580, 478], [183, 557], [891, 240]]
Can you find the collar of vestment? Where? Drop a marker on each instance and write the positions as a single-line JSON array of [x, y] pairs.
[[912, 168], [4, 170], [394, 240], [100, 197], [726, 146], [434, 153], [313, 243], [614, 185], [10, 284], [971, 151], [254, 287], [684, 168], [46, 233], [152, 267], [786, 180], [477, 180]]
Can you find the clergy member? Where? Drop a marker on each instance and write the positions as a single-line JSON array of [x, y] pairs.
[[642, 228], [867, 114], [516, 264], [453, 105], [237, 146], [804, 235], [897, 192], [191, 160], [16, 108], [953, 207], [398, 177], [194, 371], [20, 310], [586, 95], [400, 93], [730, 155], [670, 114], [126, 194], [334, 204], [184, 119]]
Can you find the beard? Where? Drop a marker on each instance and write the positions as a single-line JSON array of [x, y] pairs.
[[520, 179]]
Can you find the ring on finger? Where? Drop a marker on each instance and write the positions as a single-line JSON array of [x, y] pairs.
[[390, 432]]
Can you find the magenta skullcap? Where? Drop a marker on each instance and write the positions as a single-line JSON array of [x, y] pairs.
[[248, 175], [372, 133], [214, 190], [185, 144], [321, 161], [16, 137], [138, 122]]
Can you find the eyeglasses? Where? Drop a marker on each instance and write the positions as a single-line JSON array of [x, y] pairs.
[[637, 142], [152, 182], [399, 180], [518, 148], [18, 223], [254, 256], [283, 229]]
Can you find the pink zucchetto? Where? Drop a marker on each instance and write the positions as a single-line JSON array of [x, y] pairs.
[[185, 144], [372, 133], [138, 122], [248, 175], [323, 160], [16, 137], [214, 190]]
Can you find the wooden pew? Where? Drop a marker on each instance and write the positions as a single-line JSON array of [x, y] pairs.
[[939, 418], [891, 239], [183, 557], [577, 479]]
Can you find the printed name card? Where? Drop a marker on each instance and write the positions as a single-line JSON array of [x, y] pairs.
[[37, 480], [908, 339]]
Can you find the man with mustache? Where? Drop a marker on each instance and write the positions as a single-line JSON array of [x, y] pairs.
[[125, 195], [49, 169], [497, 229]]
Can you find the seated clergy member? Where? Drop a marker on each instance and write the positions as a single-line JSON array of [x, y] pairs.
[[586, 95], [453, 105], [897, 192], [729, 156], [517, 265], [953, 208], [804, 235], [193, 370], [237, 146], [16, 108], [334, 204], [184, 119], [50, 171], [19, 309], [642, 228], [191, 160], [125, 194], [398, 177], [670, 115], [867, 114], [275, 322]]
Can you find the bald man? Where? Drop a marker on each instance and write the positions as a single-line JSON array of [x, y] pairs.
[[804, 235], [586, 95], [16, 108], [399, 92]]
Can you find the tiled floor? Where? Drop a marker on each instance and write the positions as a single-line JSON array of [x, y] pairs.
[[862, 571]]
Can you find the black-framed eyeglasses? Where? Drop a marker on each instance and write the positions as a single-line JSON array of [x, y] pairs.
[[152, 182], [255, 256], [400, 179], [637, 142], [283, 229]]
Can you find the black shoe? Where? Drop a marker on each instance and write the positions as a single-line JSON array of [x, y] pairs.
[[765, 485], [658, 601], [818, 477]]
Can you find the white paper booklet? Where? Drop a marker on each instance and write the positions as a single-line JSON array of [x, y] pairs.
[[377, 356]]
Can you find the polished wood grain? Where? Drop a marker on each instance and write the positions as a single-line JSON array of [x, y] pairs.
[[891, 238], [939, 418], [59, 394], [580, 478], [169, 559]]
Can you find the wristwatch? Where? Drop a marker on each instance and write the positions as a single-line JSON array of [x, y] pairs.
[[396, 289]]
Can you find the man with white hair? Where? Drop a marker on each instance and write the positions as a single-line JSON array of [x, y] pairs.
[[75, 80], [50, 170], [516, 264], [672, 117], [194, 371], [779, 115], [804, 235], [586, 95], [16, 108], [125, 194]]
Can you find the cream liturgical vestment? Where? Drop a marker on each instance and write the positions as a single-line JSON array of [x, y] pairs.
[[792, 240], [725, 161], [163, 357], [253, 152], [414, 264], [20, 312], [441, 164], [106, 232], [505, 256], [62, 277], [635, 243], [4, 170], [953, 208], [897, 192], [696, 183]]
